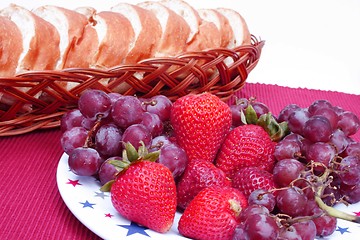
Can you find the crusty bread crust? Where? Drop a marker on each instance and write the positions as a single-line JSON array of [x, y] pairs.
[[221, 22], [238, 24], [70, 26], [175, 30], [147, 31], [187, 12], [114, 44], [40, 37], [10, 47], [207, 37]]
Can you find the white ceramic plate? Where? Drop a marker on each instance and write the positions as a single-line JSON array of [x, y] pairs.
[[94, 209]]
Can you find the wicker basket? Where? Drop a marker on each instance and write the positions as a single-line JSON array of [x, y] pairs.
[[191, 72]]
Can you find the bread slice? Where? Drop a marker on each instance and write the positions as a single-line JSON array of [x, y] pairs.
[[39, 38], [11, 47], [240, 29], [203, 34], [70, 26], [207, 37], [175, 30], [221, 22], [189, 14], [87, 43], [87, 11], [147, 30], [115, 34]]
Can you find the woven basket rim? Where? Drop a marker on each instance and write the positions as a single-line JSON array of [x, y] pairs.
[[189, 72]]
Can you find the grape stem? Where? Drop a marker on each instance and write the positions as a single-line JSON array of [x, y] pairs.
[[326, 180], [336, 213], [318, 185], [88, 140]]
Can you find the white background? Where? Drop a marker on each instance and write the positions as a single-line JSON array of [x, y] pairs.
[[309, 43]]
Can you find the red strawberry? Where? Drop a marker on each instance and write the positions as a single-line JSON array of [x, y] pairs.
[[244, 146], [249, 179], [197, 176], [145, 192], [201, 123], [213, 214]]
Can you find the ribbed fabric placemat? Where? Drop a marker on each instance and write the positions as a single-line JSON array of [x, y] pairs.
[[30, 204]]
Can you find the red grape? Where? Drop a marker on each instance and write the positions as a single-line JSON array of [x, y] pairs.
[[108, 140], [71, 119], [297, 120], [158, 142], [264, 198], [287, 111], [253, 209], [349, 123], [107, 171], [287, 148], [319, 104], [317, 129], [259, 108], [93, 103], [73, 138], [159, 105], [291, 201], [84, 161], [325, 225], [236, 109], [136, 133], [349, 170], [88, 123], [174, 158], [152, 122], [289, 233], [330, 114], [351, 193], [306, 229], [321, 152], [339, 140], [127, 111], [114, 96], [287, 170], [352, 149], [240, 233], [261, 227], [236, 115]]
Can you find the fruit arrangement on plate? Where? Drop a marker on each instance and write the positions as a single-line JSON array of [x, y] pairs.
[[233, 171]]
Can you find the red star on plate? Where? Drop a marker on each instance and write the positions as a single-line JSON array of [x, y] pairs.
[[73, 182], [357, 213], [109, 215]]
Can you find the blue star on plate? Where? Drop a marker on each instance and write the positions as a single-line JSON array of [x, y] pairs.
[[135, 228], [87, 204], [342, 230]]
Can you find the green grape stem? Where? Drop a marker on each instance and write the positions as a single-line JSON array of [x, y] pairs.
[[336, 213], [326, 179]]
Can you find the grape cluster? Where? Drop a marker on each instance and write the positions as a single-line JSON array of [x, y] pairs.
[[321, 136], [95, 132], [318, 165]]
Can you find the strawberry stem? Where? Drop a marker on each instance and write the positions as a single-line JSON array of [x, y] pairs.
[[235, 207]]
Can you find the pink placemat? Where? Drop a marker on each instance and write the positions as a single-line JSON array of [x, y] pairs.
[[30, 204]]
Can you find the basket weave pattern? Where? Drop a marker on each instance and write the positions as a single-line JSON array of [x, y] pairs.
[[191, 72]]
